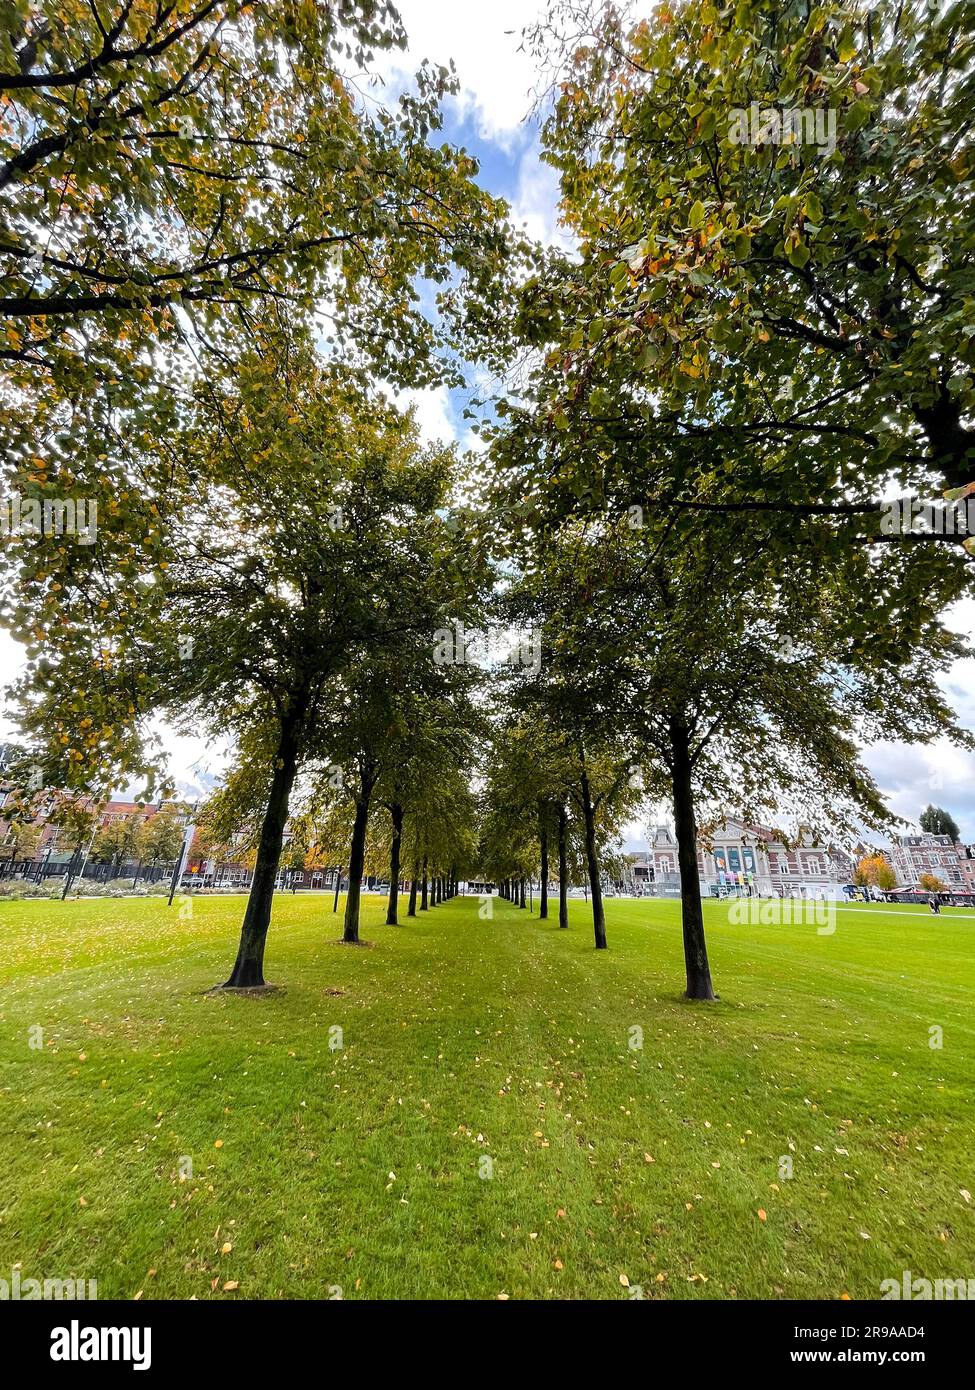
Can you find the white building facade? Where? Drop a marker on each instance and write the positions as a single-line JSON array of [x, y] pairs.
[[743, 859]]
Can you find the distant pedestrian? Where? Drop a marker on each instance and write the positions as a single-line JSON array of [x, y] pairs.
[[934, 905]]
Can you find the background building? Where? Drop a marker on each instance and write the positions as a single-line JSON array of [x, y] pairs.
[[742, 858], [913, 855]]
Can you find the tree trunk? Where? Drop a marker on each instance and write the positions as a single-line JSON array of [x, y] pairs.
[[951, 443], [699, 984], [392, 919], [248, 971], [423, 896], [71, 871], [414, 884], [543, 887], [338, 885], [357, 859], [563, 868], [521, 891], [592, 864]]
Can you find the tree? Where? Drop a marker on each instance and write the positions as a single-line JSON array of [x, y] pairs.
[[741, 716], [873, 870], [935, 821], [397, 723], [76, 819], [791, 303], [164, 170], [22, 840], [932, 884], [122, 839], [164, 834], [649, 403], [171, 180], [305, 536], [558, 748]]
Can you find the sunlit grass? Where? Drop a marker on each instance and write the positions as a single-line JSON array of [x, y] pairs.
[[361, 1168]]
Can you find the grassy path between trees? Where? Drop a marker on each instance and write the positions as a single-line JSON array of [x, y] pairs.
[[362, 1169]]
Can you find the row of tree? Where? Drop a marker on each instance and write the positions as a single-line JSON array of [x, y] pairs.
[[681, 494]]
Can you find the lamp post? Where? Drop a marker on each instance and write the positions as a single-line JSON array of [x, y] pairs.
[[184, 854], [69, 877]]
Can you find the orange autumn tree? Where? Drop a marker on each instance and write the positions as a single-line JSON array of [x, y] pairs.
[[874, 871]]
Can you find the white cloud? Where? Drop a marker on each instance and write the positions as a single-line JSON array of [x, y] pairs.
[[911, 778], [535, 203], [496, 79], [432, 410]]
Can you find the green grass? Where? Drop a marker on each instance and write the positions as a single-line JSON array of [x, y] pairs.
[[465, 1038]]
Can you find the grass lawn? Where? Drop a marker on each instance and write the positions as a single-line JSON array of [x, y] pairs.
[[361, 1168]]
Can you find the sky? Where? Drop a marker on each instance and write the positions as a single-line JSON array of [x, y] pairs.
[[491, 117]]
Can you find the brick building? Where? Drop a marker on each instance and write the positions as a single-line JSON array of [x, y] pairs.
[[913, 855], [743, 858]]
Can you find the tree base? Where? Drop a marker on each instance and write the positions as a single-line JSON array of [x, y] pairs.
[[702, 994], [245, 989]]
